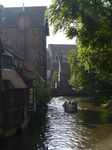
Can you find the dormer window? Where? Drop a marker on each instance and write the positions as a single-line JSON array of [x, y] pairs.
[[7, 62], [18, 63]]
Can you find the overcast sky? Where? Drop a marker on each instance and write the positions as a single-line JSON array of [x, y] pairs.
[[59, 38]]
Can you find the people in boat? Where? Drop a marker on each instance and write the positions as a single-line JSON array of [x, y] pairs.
[[70, 103], [73, 103]]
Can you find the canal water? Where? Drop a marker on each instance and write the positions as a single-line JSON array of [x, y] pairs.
[[88, 129]]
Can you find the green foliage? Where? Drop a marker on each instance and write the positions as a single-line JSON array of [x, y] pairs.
[[42, 92], [91, 22], [61, 14], [95, 85]]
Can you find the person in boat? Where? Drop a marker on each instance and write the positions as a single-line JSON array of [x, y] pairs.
[[74, 103], [65, 104], [69, 104]]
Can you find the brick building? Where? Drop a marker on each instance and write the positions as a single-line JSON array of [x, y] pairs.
[[23, 34], [27, 28], [58, 69]]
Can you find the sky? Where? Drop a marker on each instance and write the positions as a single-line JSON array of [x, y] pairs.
[[59, 38]]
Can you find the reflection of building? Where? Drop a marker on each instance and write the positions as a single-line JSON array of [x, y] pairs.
[[58, 69], [27, 29]]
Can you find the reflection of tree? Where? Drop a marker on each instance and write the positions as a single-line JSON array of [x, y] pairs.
[[87, 117], [105, 117]]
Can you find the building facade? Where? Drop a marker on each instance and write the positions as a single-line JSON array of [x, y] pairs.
[[13, 92], [22, 60], [27, 28], [58, 68]]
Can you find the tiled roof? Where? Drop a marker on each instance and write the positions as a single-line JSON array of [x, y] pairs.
[[29, 65], [28, 71], [36, 16], [9, 48], [65, 68], [58, 48], [48, 64], [27, 75], [55, 66], [14, 78], [55, 76]]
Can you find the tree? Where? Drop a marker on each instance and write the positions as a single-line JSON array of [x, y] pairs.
[[91, 22], [93, 84], [42, 92]]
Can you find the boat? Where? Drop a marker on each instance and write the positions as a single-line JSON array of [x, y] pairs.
[[70, 107]]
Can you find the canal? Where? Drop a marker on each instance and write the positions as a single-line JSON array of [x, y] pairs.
[[88, 129]]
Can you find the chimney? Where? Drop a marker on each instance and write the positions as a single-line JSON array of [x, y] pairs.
[[23, 8], [1, 12], [21, 26]]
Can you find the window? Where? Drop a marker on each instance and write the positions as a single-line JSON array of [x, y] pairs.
[[31, 96], [7, 62], [56, 57], [21, 65]]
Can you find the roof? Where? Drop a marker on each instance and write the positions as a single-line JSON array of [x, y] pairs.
[[55, 76], [1, 46], [29, 65], [28, 75], [14, 78], [58, 48], [48, 55], [48, 64], [6, 53], [36, 15], [41, 80], [9, 48], [55, 66], [65, 68]]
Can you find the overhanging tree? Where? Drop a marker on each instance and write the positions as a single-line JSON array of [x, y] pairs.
[[91, 22]]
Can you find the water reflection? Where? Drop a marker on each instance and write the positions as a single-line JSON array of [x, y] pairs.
[[67, 130], [88, 117], [57, 130]]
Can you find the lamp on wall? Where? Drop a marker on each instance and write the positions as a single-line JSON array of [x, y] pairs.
[[31, 96]]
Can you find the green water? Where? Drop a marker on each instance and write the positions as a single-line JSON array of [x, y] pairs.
[[88, 129]]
